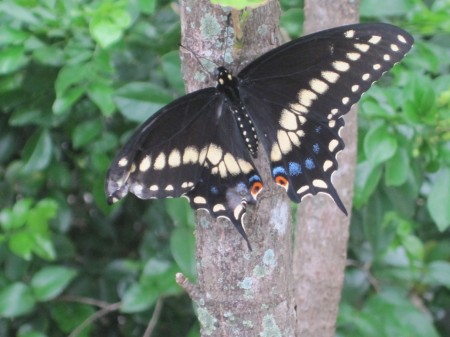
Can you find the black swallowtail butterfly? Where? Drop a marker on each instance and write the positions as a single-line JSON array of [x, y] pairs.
[[290, 100]]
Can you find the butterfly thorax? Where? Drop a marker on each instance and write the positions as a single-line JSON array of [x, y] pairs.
[[227, 85]]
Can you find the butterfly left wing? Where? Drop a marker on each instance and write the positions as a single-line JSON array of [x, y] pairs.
[[192, 148], [297, 94]]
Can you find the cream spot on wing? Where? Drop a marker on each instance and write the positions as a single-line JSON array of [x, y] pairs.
[[341, 66], [284, 142], [386, 57], [218, 208], [145, 164], [318, 86], [349, 33], [319, 183], [332, 123], [275, 153], [376, 66], [169, 188], [362, 47], [306, 97], [394, 47], [294, 138], [302, 119], [245, 166], [190, 155], [231, 163], [288, 120], [353, 56], [375, 39], [401, 38], [174, 158], [345, 100], [153, 188], [365, 77], [123, 162], [223, 169], [214, 154], [237, 211], [303, 189], [355, 88], [326, 165], [298, 108], [160, 161], [332, 145], [199, 200], [330, 76], [334, 111]]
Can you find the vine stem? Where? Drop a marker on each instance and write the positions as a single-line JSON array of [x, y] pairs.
[[103, 312], [156, 313]]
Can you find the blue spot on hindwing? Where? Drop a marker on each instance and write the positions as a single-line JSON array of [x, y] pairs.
[[318, 129], [214, 190], [309, 163], [316, 148], [295, 169], [278, 170], [254, 178], [241, 188]]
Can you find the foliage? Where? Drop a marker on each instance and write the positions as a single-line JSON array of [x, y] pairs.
[[77, 76]]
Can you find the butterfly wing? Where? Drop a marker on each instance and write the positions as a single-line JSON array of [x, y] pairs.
[[297, 94], [192, 148]]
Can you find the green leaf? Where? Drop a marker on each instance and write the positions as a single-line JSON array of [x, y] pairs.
[[438, 273], [147, 6], [439, 199], [385, 8], [138, 298], [367, 178], [397, 168], [171, 66], [63, 103], [15, 300], [31, 334], [38, 152], [70, 76], [109, 22], [50, 282], [21, 243], [86, 132], [69, 317], [182, 245], [10, 35], [102, 95], [12, 59], [292, 21], [137, 101], [17, 216], [379, 145]]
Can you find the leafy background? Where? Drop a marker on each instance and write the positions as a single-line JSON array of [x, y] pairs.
[[76, 77]]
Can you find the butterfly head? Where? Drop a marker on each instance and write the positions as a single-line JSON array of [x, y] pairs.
[[224, 76]]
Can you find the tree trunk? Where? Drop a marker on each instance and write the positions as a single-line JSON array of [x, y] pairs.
[[322, 229], [238, 292]]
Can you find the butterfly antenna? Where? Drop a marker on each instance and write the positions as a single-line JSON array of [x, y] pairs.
[[227, 31], [198, 58]]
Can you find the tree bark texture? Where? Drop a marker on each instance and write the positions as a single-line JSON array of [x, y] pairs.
[[238, 292], [322, 229]]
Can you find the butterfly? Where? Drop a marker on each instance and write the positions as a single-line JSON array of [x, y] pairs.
[[290, 101]]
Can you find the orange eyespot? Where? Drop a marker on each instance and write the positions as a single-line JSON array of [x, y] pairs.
[[256, 188], [282, 181]]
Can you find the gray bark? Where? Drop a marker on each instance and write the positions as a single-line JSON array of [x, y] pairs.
[[322, 229], [238, 292]]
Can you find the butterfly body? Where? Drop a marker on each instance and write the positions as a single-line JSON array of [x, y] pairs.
[[290, 101]]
